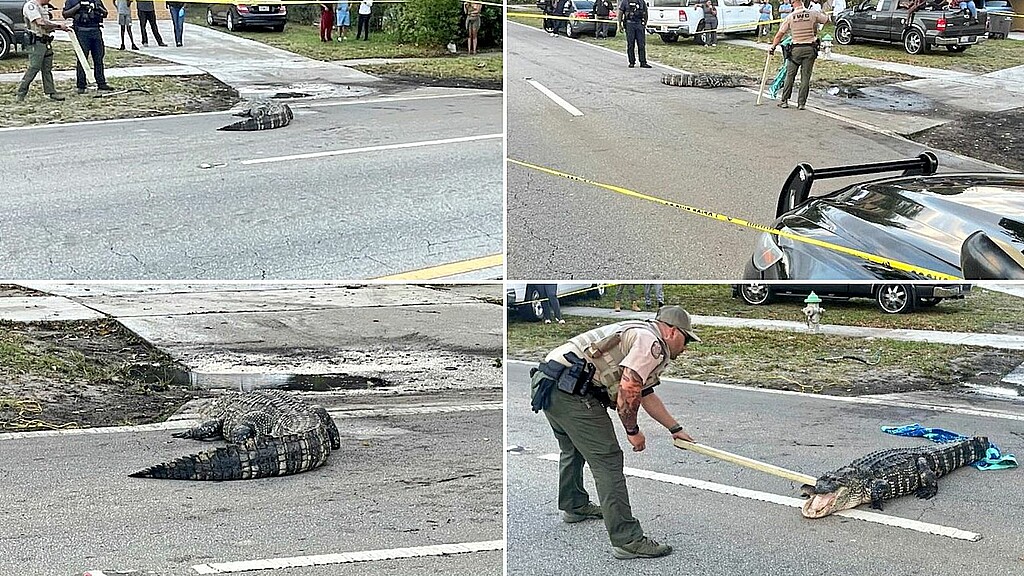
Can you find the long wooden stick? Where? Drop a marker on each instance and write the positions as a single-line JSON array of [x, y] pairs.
[[764, 76], [89, 73], [744, 461]]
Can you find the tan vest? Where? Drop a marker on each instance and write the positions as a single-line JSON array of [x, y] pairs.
[[33, 11], [803, 24], [600, 347]]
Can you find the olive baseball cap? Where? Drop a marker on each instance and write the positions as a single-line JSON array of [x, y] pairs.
[[677, 318]]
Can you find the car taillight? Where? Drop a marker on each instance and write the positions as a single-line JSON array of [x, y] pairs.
[[941, 25], [581, 14], [682, 16], [242, 8], [613, 15], [284, 9]]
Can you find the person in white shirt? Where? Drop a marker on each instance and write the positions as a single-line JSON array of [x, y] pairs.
[[363, 26]]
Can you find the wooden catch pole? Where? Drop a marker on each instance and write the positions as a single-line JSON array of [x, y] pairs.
[[744, 461], [82, 61], [764, 76]]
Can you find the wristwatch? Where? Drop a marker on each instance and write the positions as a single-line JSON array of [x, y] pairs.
[[674, 429], [633, 432]]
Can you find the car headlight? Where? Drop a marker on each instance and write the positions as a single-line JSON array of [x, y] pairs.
[[767, 253]]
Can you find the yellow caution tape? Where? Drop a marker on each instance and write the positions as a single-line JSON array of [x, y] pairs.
[[567, 294], [740, 26], [886, 262]]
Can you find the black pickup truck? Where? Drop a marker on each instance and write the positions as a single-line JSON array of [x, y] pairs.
[[918, 27]]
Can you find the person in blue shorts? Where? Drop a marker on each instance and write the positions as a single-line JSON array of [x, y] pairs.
[[342, 20]]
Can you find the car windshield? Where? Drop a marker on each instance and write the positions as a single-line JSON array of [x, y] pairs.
[[583, 5]]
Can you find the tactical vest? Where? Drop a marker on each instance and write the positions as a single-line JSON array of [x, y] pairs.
[[35, 28], [88, 18], [634, 11], [803, 26], [600, 346]]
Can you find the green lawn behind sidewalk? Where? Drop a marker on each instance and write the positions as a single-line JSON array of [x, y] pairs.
[[64, 59]]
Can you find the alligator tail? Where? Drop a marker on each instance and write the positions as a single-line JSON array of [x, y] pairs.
[[958, 454], [260, 458]]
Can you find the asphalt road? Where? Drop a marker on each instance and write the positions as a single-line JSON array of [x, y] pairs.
[[709, 149], [719, 534], [398, 481], [117, 200]]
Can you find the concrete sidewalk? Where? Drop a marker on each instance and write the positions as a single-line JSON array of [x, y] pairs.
[[1002, 341], [289, 328]]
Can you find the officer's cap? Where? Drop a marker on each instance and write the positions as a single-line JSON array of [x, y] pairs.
[[677, 318]]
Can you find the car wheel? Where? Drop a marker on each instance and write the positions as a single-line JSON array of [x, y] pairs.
[[279, 28], [669, 38], [914, 43], [895, 298], [533, 311], [956, 49], [756, 294], [209, 17], [572, 31], [844, 33], [5, 43], [611, 33], [928, 302], [596, 291], [698, 38], [232, 23]]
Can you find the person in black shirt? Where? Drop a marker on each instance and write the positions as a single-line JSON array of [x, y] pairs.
[[88, 16], [633, 17], [602, 8]]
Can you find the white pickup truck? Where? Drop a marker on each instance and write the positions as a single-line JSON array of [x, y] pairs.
[[671, 19]]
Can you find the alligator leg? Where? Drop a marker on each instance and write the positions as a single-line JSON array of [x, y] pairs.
[[209, 430], [929, 480], [878, 488], [241, 433]]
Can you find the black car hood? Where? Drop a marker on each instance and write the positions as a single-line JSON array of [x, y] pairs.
[[921, 221]]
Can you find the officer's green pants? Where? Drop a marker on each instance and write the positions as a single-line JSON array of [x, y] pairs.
[[585, 435], [40, 59], [802, 57]]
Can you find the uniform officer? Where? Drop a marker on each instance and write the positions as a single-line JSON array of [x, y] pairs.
[[38, 38], [615, 365], [803, 23], [633, 18], [88, 16]]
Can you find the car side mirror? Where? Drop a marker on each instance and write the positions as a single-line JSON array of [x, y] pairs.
[[982, 258]]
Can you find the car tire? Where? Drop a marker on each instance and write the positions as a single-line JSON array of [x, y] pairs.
[[669, 38], [928, 302], [914, 43], [698, 38], [232, 22], [278, 28], [532, 312], [611, 33], [571, 31], [895, 298], [844, 33], [209, 18], [956, 49], [596, 291], [6, 43], [756, 294]]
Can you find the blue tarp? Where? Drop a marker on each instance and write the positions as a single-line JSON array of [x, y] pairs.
[[993, 460]]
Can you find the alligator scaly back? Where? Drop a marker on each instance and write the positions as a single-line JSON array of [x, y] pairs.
[[269, 433], [262, 116], [706, 80], [888, 474]]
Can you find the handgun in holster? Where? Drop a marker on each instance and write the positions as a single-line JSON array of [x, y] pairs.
[[576, 379]]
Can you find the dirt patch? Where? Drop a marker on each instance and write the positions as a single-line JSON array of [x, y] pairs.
[[82, 374], [991, 136], [422, 80], [15, 290]]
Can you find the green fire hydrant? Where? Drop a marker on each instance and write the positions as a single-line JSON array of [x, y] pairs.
[[812, 312]]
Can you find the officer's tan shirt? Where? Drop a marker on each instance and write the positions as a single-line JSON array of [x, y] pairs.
[[803, 24], [641, 352], [34, 15]]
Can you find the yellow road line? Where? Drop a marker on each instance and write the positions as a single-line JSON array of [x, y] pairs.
[[888, 263], [450, 269]]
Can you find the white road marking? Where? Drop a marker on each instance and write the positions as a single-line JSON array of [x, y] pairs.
[[349, 557], [846, 399], [225, 112], [404, 145], [180, 423], [873, 517], [556, 98]]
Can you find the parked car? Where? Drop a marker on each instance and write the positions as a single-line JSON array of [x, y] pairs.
[[997, 9], [12, 26], [582, 21], [522, 298], [930, 26], [890, 298], [671, 19], [237, 17], [966, 225]]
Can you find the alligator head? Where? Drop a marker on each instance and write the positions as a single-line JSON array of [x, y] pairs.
[[835, 491]]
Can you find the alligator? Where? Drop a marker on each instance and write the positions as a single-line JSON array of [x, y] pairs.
[[888, 474], [269, 433], [262, 115], [706, 80]]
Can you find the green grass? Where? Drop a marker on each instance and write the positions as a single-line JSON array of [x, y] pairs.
[[483, 68], [981, 311], [796, 361], [726, 58], [64, 59], [166, 95]]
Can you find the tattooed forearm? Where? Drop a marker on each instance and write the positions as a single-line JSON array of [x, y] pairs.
[[628, 402]]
